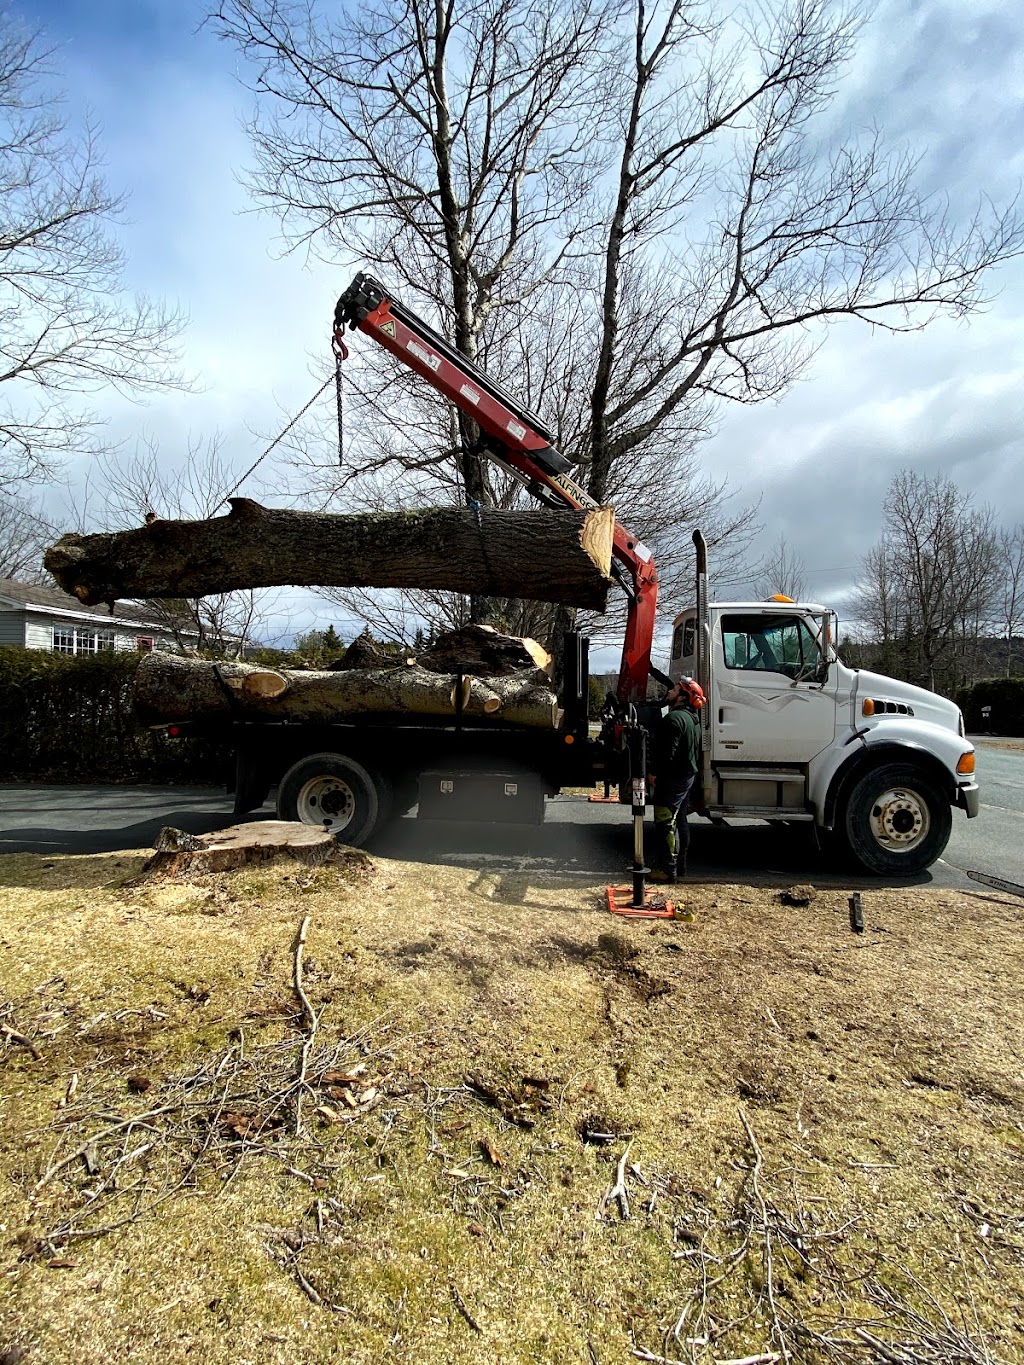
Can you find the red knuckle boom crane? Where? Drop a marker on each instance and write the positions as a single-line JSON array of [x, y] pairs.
[[514, 438]]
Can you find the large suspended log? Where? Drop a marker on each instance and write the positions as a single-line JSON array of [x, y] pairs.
[[170, 689], [550, 556]]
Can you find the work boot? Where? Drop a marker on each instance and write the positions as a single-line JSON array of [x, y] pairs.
[[663, 876]]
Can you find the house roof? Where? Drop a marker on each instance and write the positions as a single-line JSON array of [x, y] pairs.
[[53, 602]]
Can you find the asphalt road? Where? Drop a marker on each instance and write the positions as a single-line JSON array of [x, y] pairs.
[[578, 838]]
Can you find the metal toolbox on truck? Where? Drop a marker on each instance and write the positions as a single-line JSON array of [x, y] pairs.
[[506, 797]]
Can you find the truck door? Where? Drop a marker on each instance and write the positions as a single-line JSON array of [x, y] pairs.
[[772, 700]]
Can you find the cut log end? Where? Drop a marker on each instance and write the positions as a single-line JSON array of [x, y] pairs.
[[264, 684], [596, 536]]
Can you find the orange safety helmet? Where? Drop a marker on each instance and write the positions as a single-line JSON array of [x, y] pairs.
[[693, 692]]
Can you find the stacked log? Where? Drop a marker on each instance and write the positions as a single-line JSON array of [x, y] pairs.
[[486, 652], [170, 689]]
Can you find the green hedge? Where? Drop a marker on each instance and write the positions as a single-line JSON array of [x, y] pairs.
[[70, 719], [1006, 698]]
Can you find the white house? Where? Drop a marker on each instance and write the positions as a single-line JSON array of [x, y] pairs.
[[45, 618]]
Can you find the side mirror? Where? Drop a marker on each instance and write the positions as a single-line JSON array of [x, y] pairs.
[[827, 649]]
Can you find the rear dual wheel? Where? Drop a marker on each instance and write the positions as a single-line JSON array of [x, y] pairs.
[[337, 793]]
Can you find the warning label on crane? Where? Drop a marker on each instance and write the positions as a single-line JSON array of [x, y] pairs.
[[388, 328], [421, 352]]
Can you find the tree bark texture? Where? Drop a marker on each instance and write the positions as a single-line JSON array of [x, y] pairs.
[[545, 555], [170, 689], [484, 651]]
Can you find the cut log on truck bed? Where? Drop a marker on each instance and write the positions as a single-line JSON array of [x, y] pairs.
[[550, 556], [169, 689], [484, 651]]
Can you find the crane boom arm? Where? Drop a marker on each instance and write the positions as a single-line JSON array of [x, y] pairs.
[[514, 438]]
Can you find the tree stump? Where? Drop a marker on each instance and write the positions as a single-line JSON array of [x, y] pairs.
[[179, 854]]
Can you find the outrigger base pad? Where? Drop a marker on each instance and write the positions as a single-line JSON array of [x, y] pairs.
[[621, 898]]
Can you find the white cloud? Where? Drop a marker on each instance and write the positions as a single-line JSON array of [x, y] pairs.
[[943, 74]]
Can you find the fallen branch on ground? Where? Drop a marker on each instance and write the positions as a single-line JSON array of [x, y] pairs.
[[618, 1190], [312, 1023]]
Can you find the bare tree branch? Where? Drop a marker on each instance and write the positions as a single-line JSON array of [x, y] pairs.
[[67, 323], [626, 213], [930, 587]]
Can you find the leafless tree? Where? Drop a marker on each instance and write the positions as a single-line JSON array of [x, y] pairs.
[[450, 147], [67, 324], [457, 151], [881, 610], [735, 233], [1011, 603], [25, 532], [626, 212], [781, 572], [928, 589], [128, 492]]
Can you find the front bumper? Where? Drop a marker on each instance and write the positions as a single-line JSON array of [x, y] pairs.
[[968, 798]]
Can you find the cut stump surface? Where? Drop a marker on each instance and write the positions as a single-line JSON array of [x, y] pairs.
[[180, 854]]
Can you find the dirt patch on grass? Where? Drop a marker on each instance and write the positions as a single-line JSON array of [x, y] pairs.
[[526, 1131]]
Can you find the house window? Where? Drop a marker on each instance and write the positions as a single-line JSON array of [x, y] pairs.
[[74, 640], [144, 644]]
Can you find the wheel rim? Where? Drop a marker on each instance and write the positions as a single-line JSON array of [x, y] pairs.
[[327, 801], [900, 820]]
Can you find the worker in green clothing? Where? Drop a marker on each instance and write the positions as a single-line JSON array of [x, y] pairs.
[[675, 762]]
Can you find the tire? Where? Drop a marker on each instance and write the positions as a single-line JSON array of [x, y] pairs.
[[336, 789], [896, 821]]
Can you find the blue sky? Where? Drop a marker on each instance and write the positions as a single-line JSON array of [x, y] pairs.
[[946, 77]]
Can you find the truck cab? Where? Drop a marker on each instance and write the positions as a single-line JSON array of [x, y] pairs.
[[791, 733]]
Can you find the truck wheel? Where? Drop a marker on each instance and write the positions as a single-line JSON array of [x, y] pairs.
[[897, 821], [336, 792]]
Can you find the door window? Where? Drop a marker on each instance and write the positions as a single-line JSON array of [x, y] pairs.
[[683, 639], [770, 644]]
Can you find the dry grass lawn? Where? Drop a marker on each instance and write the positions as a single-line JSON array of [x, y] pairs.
[[816, 1136]]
